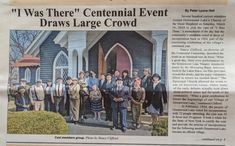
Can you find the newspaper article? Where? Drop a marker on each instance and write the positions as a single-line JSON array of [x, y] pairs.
[[150, 74]]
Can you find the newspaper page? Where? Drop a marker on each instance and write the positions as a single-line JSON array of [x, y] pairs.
[[117, 72]]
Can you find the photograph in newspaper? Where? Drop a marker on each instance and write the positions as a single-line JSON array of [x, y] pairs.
[[75, 82]]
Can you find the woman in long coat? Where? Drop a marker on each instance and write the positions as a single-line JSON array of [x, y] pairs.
[[158, 95]]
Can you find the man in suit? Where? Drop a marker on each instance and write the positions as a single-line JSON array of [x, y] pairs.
[[116, 75], [59, 96], [119, 104], [106, 89], [69, 82], [102, 81], [74, 100], [145, 83]]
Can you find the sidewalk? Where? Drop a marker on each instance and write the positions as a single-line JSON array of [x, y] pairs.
[[91, 129], [95, 127]]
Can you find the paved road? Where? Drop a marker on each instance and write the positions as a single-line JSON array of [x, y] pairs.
[[93, 127]]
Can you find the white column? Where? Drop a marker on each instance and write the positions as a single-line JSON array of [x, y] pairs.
[[158, 37], [80, 61], [76, 41], [70, 62], [85, 54]]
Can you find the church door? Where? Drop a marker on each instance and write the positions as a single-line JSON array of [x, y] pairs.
[[118, 58]]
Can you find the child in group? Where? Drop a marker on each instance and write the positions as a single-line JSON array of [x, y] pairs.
[[96, 103]]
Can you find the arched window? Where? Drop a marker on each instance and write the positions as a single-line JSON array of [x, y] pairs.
[[37, 74], [27, 75], [60, 67], [15, 74]]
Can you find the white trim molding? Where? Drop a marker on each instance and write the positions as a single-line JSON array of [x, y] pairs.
[[37, 75], [61, 67], [125, 49], [33, 48], [27, 75], [62, 39]]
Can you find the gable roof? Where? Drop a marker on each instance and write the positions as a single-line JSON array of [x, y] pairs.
[[27, 60], [33, 48], [61, 37]]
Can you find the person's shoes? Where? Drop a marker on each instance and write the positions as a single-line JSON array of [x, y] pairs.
[[99, 119], [133, 126], [138, 126], [75, 122], [70, 121], [124, 130], [82, 120], [113, 128]]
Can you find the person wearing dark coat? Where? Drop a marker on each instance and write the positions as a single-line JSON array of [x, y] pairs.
[[115, 76], [126, 78], [49, 100], [119, 103], [84, 95], [145, 83], [158, 97], [102, 81], [68, 83], [22, 102], [106, 89]]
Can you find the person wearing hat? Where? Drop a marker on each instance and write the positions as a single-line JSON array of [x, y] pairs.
[[22, 102], [13, 91], [158, 95], [23, 83], [135, 76], [92, 80], [145, 83], [119, 104], [69, 81], [107, 87], [37, 95], [84, 95], [126, 78], [59, 94], [87, 76], [49, 100], [74, 100], [137, 98], [115, 75]]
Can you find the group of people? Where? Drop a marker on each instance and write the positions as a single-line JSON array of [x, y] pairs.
[[79, 96]]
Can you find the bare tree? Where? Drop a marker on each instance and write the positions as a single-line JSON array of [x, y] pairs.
[[19, 42]]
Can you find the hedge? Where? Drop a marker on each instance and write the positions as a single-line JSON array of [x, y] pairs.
[[36, 122], [160, 128]]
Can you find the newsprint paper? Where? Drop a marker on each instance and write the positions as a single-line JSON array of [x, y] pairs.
[[158, 72]]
